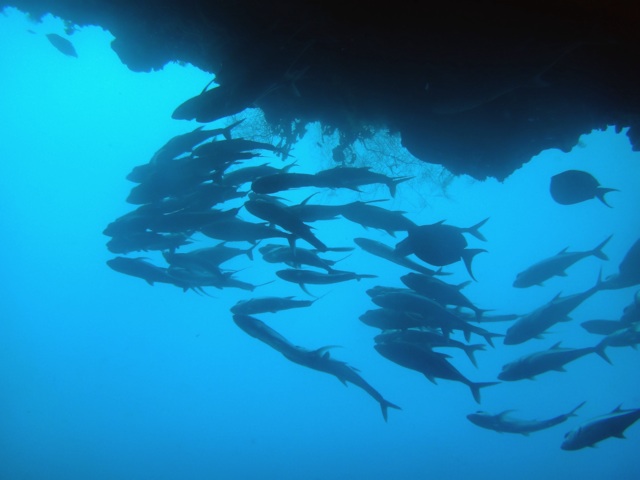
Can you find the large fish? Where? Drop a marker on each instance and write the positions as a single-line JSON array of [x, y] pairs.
[[439, 244], [442, 292], [535, 323], [556, 265], [303, 277], [296, 257], [431, 364], [249, 174], [284, 218], [268, 304], [576, 186], [278, 182], [354, 177], [429, 339], [504, 423], [554, 358], [318, 359], [611, 425], [367, 215]]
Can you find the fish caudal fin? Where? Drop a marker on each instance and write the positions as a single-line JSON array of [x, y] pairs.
[[476, 386], [600, 350], [470, 350], [467, 258], [393, 183], [597, 252], [384, 405], [601, 192]]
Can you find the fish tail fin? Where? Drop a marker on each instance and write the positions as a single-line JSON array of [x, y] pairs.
[[601, 192], [572, 413], [249, 251], [600, 350], [384, 405], [597, 252], [489, 336], [467, 257], [393, 183], [476, 386], [470, 350], [475, 230], [226, 131]]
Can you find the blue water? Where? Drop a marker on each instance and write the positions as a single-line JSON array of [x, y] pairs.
[[103, 376]]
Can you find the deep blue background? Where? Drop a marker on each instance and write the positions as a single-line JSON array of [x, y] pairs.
[[103, 376]]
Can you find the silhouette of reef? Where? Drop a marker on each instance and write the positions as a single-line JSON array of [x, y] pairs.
[[479, 87]]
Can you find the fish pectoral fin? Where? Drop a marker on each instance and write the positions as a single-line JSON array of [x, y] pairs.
[[431, 379], [562, 274]]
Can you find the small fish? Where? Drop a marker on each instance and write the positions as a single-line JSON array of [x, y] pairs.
[[62, 44], [576, 186]]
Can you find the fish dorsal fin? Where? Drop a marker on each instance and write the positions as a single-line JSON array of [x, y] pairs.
[[505, 413], [324, 351], [562, 251], [460, 286], [618, 409], [556, 346], [304, 202]]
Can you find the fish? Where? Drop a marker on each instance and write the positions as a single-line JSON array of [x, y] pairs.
[[280, 181], [429, 339], [598, 429], [296, 257], [285, 219], [442, 292], [354, 177], [434, 314], [556, 265], [371, 216], [268, 304], [249, 174], [439, 244], [576, 186], [236, 230], [381, 250], [210, 255], [62, 44], [555, 358], [145, 241], [303, 277], [625, 337], [390, 319], [431, 364], [318, 359], [535, 323], [141, 268], [503, 423]]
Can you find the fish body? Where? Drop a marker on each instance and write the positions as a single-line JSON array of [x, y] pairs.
[[295, 257], [535, 323], [284, 218], [628, 271], [431, 364], [556, 266], [576, 186], [390, 319], [555, 358], [354, 177], [439, 244], [62, 44], [303, 277], [236, 230], [278, 182], [504, 423], [442, 292], [318, 359], [367, 215], [268, 304], [611, 425]]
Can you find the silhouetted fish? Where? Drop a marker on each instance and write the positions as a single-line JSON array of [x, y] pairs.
[[62, 44], [575, 186], [611, 425]]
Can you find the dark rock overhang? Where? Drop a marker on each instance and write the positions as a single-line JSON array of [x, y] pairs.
[[479, 87]]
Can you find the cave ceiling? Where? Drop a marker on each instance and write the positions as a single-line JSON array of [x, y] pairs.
[[479, 87]]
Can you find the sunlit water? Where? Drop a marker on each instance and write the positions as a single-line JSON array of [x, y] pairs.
[[103, 376]]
